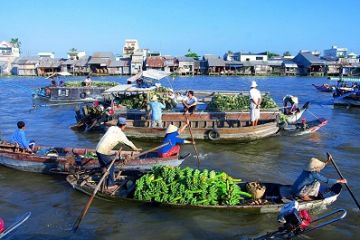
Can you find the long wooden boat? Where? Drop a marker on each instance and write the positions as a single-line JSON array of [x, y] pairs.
[[66, 160], [276, 195], [213, 126], [300, 129]]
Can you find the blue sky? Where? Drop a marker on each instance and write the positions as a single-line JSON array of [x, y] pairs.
[[172, 27]]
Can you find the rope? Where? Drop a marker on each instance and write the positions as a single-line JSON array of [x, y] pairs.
[[313, 114]]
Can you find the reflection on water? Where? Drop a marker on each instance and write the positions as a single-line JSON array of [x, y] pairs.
[[55, 206]]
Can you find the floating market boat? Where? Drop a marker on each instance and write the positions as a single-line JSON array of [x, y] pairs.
[[65, 160], [299, 129], [347, 91], [71, 91], [213, 126], [273, 199], [324, 87]]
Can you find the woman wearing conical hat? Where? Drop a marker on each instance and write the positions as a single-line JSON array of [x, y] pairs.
[[307, 185], [172, 137]]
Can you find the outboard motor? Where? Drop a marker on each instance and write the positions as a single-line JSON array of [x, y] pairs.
[[292, 219]]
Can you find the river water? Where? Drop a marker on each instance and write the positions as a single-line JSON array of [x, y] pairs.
[[55, 205]]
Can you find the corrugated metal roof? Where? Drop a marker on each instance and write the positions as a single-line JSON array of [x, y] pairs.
[[185, 59], [103, 55], [254, 63], [49, 63], [101, 61], [82, 62], [155, 61], [311, 58], [275, 62], [216, 62], [290, 64], [27, 60], [120, 63]]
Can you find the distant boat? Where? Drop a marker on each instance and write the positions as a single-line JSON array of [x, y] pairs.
[[324, 87], [347, 91]]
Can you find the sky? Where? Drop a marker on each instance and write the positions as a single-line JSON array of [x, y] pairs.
[[173, 27]]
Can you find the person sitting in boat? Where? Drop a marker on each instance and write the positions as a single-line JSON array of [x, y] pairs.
[[19, 138], [172, 137], [61, 83], [156, 111], [104, 150], [307, 185], [53, 82], [190, 102], [293, 102], [87, 82]]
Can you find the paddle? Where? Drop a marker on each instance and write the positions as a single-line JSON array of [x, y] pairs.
[[87, 206], [150, 150], [193, 142], [347, 186]]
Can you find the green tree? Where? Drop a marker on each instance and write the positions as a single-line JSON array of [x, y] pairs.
[[271, 54], [287, 53], [73, 50], [192, 54], [16, 42]]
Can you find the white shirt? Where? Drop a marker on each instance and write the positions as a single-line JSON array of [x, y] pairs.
[[113, 136], [254, 95]]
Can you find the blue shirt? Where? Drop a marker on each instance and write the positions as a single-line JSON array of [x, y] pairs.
[[156, 110], [190, 101], [173, 139], [20, 138], [307, 178]]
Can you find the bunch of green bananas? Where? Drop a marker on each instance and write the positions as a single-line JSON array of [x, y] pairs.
[[188, 186]]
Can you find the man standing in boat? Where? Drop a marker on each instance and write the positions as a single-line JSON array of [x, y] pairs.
[[255, 101], [156, 112], [172, 137], [19, 138], [307, 185], [104, 150], [190, 102]]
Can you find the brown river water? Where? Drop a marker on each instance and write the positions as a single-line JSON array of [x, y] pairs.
[[55, 205]]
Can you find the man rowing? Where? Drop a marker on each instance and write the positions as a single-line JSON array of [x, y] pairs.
[[307, 185], [104, 150]]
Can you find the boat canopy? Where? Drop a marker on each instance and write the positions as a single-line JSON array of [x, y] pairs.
[[64, 74], [339, 79], [149, 74], [147, 82]]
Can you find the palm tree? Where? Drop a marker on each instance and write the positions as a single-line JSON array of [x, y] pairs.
[[16, 42], [73, 50]]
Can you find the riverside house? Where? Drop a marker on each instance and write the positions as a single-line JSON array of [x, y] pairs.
[[309, 64], [289, 68], [186, 66], [215, 64], [100, 61], [26, 66], [49, 66], [171, 64], [155, 62]]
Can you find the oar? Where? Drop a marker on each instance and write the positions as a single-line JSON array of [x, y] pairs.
[[193, 142], [347, 186], [87, 206], [150, 150]]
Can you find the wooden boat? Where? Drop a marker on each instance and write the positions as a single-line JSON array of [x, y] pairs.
[[66, 160], [299, 129], [213, 126], [347, 91], [276, 195], [324, 87]]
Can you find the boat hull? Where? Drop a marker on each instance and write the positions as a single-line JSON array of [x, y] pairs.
[[299, 129], [261, 208], [66, 164]]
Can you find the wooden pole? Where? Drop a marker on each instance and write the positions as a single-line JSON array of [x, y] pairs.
[[193, 142], [88, 204], [347, 186]]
